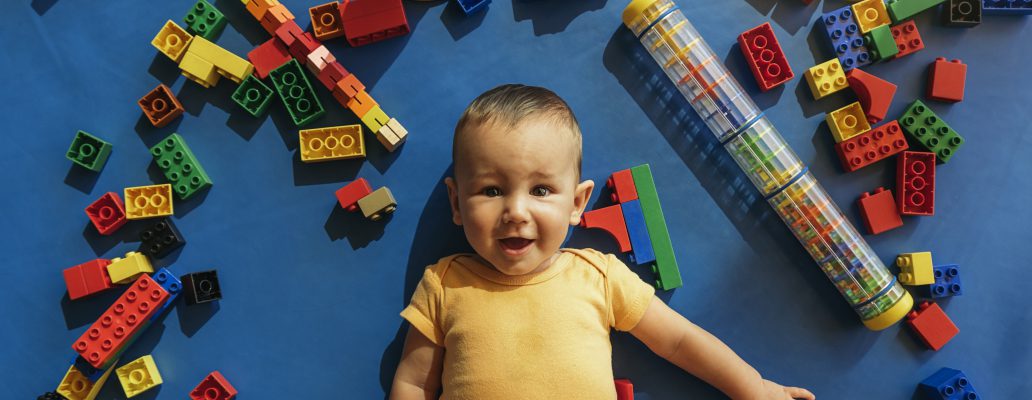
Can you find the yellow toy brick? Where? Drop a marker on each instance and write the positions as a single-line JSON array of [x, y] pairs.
[[826, 78], [378, 204], [126, 269], [148, 201], [138, 376], [915, 268], [392, 134], [870, 14], [847, 122], [75, 386], [172, 41], [375, 119], [226, 63], [332, 143], [198, 70]]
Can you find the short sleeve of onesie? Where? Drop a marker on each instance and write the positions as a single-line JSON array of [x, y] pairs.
[[423, 312], [629, 296]]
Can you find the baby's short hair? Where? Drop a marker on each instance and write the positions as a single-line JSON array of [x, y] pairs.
[[510, 104]]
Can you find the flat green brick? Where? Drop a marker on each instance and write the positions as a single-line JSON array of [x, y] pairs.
[[921, 124], [181, 168], [668, 276], [880, 43], [253, 95], [89, 151], [293, 88], [901, 10], [205, 20]]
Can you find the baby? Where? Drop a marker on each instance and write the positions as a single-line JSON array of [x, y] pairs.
[[523, 318]]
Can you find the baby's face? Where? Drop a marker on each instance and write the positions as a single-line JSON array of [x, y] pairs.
[[515, 192]]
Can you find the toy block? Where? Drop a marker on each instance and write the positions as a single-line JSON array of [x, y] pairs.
[[668, 276], [622, 184], [915, 268], [825, 78], [1007, 7], [171, 284], [227, 64], [878, 211], [331, 143], [297, 95], [361, 104], [875, 94], [126, 269], [76, 386], [946, 80], [378, 204], [288, 34], [901, 10], [201, 287], [871, 146], [392, 134], [331, 74], [915, 183], [160, 239], [204, 20], [871, 14], [846, 39], [198, 70], [471, 6], [638, 232], [375, 118], [107, 213], [258, 8], [624, 389], [89, 151], [138, 376], [172, 41], [847, 122], [161, 106], [932, 325], [908, 38], [326, 21], [318, 59], [148, 201], [302, 45], [349, 195], [275, 17], [947, 282], [347, 88], [611, 220], [87, 278], [180, 166], [947, 384], [91, 373], [268, 56], [369, 21], [120, 322], [765, 57], [921, 124], [962, 13], [253, 96], [213, 387], [880, 43]]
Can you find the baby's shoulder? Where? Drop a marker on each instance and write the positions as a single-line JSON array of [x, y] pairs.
[[597, 260]]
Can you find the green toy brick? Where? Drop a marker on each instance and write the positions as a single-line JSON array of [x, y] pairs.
[[205, 20], [668, 276], [901, 10], [295, 91], [881, 44], [921, 124], [180, 166], [253, 95], [89, 151]]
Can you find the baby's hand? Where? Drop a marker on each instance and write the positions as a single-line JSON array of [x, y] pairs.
[[773, 390]]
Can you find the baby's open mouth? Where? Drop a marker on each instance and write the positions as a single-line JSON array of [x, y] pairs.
[[515, 245]]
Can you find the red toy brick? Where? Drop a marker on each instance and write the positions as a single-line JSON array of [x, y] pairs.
[[107, 213], [872, 146], [213, 387], [331, 74], [161, 106], [268, 56], [87, 278], [879, 212], [611, 220], [932, 325], [326, 21], [908, 39], [915, 183], [622, 184], [765, 57], [875, 93], [946, 80], [288, 34], [624, 389], [369, 21], [122, 321], [349, 195]]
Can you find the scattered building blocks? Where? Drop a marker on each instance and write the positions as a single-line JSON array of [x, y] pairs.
[[765, 57], [331, 74], [847, 122], [180, 166], [378, 204], [347, 88], [875, 94], [946, 80], [107, 213], [611, 220], [962, 13], [161, 106], [138, 376], [622, 184], [213, 387], [846, 39], [89, 151], [268, 56], [160, 239], [171, 284], [198, 70], [204, 20], [624, 389], [201, 287], [907, 37], [126, 269], [825, 78], [921, 124], [172, 41], [871, 14], [471, 6], [253, 96], [1007, 7], [148, 201], [225, 63], [349, 195], [880, 43], [275, 17], [915, 268], [901, 10], [87, 278], [931, 325], [76, 386], [331, 143], [668, 276], [947, 282], [871, 146], [369, 21], [326, 23], [915, 183], [392, 134], [120, 322], [297, 95], [878, 211], [641, 243], [361, 104], [947, 384]]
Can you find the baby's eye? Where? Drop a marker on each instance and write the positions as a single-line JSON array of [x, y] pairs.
[[492, 192], [540, 191]]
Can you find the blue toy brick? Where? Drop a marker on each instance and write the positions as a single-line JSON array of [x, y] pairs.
[[947, 384], [641, 243], [846, 39], [171, 284], [947, 282], [472, 6], [1014, 7]]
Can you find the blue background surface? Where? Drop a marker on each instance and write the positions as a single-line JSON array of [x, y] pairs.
[[312, 293]]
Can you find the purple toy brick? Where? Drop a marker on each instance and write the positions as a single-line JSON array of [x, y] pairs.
[[846, 39]]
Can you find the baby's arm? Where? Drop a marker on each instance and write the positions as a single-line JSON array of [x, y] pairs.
[[419, 373], [681, 342]]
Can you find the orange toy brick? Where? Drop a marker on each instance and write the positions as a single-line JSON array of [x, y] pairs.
[[361, 103], [347, 88], [908, 39], [765, 58], [878, 211], [213, 387], [87, 278], [611, 220], [946, 80], [120, 323], [875, 94], [622, 185], [370, 21], [275, 17], [871, 146], [931, 325], [326, 21], [350, 194], [915, 183], [161, 106]]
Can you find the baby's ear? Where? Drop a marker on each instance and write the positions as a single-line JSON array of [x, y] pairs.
[[580, 200], [453, 200]]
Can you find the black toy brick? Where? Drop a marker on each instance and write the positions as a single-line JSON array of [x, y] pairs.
[[201, 287], [160, 239]]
